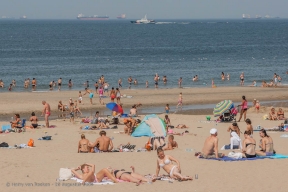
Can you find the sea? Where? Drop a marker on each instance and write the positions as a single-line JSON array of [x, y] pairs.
[[84, 50]]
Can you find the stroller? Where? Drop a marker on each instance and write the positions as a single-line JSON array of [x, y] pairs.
[[229, 115]]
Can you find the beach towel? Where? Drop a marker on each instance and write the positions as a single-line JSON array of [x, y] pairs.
[[279, 156], [103, 182], [6, 127], [227, 159]]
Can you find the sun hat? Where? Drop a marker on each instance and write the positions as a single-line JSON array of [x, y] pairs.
[[213, 131]]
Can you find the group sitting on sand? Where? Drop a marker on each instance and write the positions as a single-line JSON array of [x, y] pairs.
[[210, 149]]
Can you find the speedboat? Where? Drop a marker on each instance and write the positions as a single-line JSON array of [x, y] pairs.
[[143, 21]]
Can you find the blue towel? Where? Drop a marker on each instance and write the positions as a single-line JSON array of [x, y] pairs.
[[6, 127], [242, 159], [279, 156]]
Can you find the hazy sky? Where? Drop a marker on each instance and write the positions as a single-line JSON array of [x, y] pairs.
[[155, 9]]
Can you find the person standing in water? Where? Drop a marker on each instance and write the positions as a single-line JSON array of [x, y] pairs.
[[242, 79], [59, 83], [180, 82], [119, 83]]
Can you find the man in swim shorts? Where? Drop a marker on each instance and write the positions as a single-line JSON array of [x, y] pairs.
[[47, 112], [210, 149], [59, 83]]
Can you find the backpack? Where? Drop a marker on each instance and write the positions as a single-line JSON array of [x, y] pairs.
[[31, 143], [4, 144]]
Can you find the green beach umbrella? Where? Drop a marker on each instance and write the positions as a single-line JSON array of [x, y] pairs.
[[222, 106]]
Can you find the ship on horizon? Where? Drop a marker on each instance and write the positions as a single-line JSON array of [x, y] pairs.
[[122, 16], [23, 17], [94, 17], [247, 16], [144, 21]]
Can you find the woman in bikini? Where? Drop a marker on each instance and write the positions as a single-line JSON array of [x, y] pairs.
[[34, 121], [244, 108], [280, 114], [130, 176], [249, 145], [266, 144], [112, 94], [234, 128], [17, 122], [273, 115], [249, 127], [165, 162], [88, 174]]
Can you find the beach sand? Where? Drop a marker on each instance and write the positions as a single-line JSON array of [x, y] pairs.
[[41, 164]]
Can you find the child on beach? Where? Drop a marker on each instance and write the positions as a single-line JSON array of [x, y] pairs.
[[147, 84], [257, 106], [180, 101], [80, 97], [167, 108], [212, 83], [72, 112]]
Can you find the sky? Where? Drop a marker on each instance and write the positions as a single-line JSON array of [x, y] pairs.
[[136, 9]]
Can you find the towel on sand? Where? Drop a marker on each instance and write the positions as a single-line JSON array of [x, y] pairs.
[[276, 156], [103, 182]]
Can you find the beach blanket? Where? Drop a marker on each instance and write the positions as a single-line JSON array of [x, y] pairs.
[[103, 182]]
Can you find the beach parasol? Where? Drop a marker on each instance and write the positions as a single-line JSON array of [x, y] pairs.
[[222, 106], [114, 107]]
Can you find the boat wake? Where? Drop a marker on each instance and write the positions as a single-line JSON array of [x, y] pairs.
[[165, 23]]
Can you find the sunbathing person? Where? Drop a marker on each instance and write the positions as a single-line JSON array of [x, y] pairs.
[[83, 145], [165, 162], [171, 143], [17, 122], [130, 176], [88, 174], [181, 126], [34, 121], [280, 114], [273, 115], [171, 132], [249, 145], [266, 144], [264, 84], [105, 143], [249, 126], [102, 124], [234, 128], [210, 149]]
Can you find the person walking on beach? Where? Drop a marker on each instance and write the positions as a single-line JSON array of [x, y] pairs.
[[180, 101], [34, 84], [47, 112], [72, 112], [118, 96], [180, 82], [112, 94], [96, 85], [119, 83], [91, 95], [59, 83], [242, 79], [101, 92], [244, 108], [130, 82]]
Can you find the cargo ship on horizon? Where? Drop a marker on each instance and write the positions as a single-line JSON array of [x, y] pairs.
[[94, 17], [122, 16]]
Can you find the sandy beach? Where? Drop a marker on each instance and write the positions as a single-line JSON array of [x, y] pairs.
[[40, 165]]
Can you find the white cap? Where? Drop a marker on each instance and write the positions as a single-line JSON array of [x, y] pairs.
[[213, 131]]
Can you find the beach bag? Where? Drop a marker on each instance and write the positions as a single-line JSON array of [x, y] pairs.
[[31, 143], [4, 144], [235, 155], [94, 121], [65, 174]]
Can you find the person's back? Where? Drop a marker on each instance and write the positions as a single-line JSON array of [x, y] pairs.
[[250, 145], [83, 146], [269, 144], [104, 143], [209, 145]]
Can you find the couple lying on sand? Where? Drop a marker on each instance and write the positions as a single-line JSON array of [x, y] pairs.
[[163, 161], [210, 149]]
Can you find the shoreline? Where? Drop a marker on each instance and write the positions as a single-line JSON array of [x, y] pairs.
[[11, 103]]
